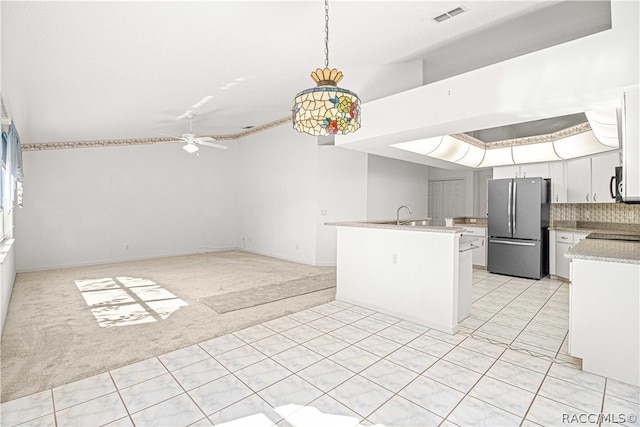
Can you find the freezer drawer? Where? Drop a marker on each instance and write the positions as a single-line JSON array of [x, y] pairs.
[[522, 258]]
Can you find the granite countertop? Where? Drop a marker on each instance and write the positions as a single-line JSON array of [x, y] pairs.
[[468, 221], [391, 225], [594, 230], [606, 250], [595, 227], [464, 224]]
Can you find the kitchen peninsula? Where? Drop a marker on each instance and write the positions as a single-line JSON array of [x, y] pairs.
[[413, 271], [604, 307]]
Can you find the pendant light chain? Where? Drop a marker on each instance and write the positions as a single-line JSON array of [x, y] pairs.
[[326, 109], [326, 31]]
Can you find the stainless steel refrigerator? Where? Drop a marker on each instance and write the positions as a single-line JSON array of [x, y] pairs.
[[518, 227]]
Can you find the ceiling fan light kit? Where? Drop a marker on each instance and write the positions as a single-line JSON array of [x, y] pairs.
[[326, 109], [190, 147], [192, 140]]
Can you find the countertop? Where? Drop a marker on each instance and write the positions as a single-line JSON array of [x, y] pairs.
[[606, 250], [468, 221], [595, 227], [391, 225], [593, 230]]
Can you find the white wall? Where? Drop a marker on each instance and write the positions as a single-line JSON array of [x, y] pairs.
[[289, 187], [342, 195], [267, 194], [392, 183], [277, 194], [96, 205], [589, 73], [438, 174]]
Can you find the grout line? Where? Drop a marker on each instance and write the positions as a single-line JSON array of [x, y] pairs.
[[604, 393], [53, 404], [369, 335], [126, 408], [536, 394]]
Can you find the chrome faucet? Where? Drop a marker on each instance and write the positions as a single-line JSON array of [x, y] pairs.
[[398, 214]]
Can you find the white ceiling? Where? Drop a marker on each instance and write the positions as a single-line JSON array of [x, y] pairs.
[[80, 71]]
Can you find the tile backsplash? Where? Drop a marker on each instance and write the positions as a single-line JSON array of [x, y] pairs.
[[618, 213]]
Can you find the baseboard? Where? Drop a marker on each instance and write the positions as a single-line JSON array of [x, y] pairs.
[[117, 260]]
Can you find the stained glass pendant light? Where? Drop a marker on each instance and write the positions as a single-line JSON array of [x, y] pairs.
[[326, 109]]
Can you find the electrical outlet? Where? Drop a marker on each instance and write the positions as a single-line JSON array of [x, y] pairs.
[[394, 258]]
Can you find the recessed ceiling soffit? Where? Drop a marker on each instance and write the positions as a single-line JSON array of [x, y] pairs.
[[535, 139]]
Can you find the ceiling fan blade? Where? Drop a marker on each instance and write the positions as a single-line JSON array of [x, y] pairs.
[[175, 138], [211, 144], [206, 139]]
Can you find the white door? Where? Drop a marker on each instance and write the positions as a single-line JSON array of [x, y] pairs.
[[446, 199], [434, 202], [453, 198]]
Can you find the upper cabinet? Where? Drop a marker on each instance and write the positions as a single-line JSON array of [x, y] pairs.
[[603, 168], [558, 182], [506, 172], [588, 178], [523, 171], [581, 180]]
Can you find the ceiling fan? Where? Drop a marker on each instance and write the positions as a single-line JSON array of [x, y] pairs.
[[192, 140]]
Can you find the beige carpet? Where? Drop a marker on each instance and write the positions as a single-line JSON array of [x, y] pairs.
[[239, 300], [51, 336]]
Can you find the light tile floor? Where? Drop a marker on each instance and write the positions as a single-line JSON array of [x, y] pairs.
[[343, 365]]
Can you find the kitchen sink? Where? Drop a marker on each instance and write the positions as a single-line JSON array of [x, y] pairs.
[[411, 223]]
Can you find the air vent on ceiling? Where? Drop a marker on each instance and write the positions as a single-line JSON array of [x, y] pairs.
[[449, 14]]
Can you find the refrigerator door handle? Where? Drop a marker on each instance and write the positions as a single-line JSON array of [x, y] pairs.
[[515, 193], [509, 207], [506, 242]]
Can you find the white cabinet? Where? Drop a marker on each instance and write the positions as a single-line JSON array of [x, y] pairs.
[[630, 132], [506, 172], [602, 169], [559, 243], [479, 256], [523, 171], [558, 182], [534, 170], [606, 314], [564, 240], [579, 180], [588, 178]]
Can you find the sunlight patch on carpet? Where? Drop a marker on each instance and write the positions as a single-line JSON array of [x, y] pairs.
[[128, 301]]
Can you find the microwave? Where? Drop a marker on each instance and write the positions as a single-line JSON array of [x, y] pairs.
[[616, 187]]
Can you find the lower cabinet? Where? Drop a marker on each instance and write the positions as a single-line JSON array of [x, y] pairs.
[[479, 256], [559, 243], [562, 263]]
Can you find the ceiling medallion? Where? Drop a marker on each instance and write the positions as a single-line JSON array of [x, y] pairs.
[[326, 109]]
